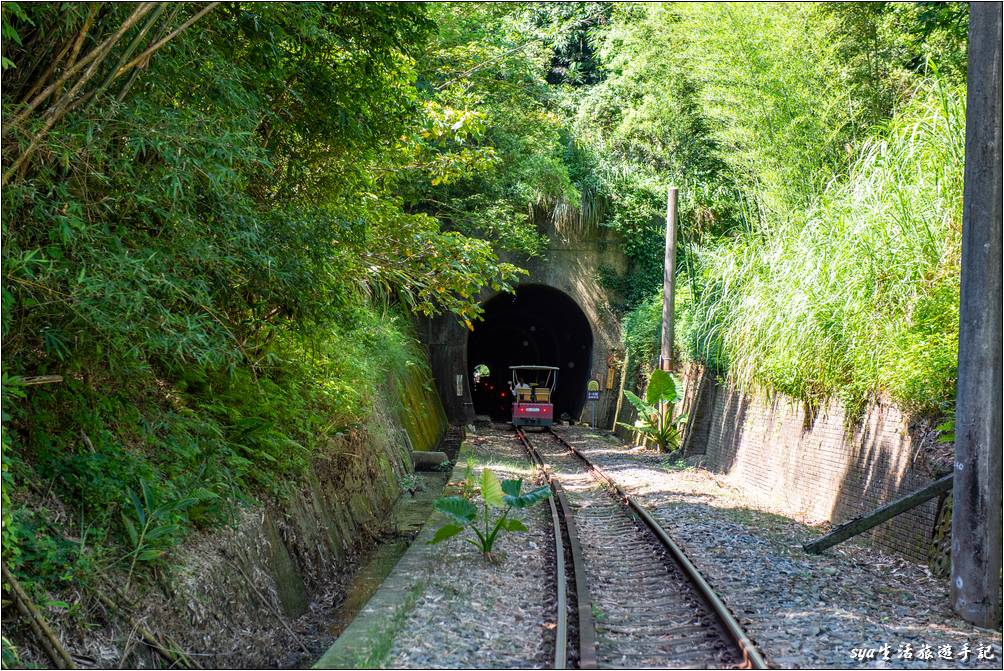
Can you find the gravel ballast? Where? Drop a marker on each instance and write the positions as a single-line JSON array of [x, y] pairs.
[[853, 606], [477, 613]]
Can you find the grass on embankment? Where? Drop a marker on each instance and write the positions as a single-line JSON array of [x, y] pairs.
[[87, 460], [859, 296]]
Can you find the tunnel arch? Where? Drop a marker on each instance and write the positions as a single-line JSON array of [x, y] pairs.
[[538, 325]]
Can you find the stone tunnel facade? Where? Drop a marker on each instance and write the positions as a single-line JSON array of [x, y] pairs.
[[563, 297]]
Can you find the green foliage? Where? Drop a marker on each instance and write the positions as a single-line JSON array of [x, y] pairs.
[[491, 158], [860, 296], [946, 430], [199, 446], [818, 151], [204, 249], [10, 658], [469, 487], [152, 525], [463, 512], [656, 418]]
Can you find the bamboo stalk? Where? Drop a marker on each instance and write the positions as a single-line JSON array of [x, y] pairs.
[[76, 44], [135, 73], [97, 51], [41, 379], [149, 52], [50, 643], [150, 21], [64, 104]]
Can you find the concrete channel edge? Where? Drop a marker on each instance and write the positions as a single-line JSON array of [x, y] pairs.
[[366, 642]]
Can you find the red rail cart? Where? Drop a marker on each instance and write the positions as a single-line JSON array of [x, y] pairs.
[[532, 387]]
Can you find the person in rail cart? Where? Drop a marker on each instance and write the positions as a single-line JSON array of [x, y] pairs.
[[531, 388]]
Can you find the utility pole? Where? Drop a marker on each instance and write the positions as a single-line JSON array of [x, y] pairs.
[[976, 503], [669, 283]]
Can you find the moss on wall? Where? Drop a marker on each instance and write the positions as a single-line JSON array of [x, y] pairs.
[[422, 413]]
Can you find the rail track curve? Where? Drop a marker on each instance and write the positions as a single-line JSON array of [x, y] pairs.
[[638, 601]]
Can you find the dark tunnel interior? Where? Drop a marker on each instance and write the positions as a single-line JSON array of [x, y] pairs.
[[536, 326]]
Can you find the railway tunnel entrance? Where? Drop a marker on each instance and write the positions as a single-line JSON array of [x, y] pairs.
[[538, 325]]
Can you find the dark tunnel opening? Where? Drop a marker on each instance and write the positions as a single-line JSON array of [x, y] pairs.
[[536, 326]]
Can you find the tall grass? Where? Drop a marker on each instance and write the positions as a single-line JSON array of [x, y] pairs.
[[860, 295]]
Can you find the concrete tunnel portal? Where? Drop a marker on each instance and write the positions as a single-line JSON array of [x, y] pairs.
[[538, 325]]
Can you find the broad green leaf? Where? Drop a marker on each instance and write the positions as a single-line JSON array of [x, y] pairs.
[[661, 388], [491, 489], [457, 508], [447, 531], [529, 498], [514, 525], [512, 487], [639, 405]]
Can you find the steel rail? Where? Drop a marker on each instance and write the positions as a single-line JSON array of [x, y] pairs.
[[561, 580], [584, 604], [751, 656]]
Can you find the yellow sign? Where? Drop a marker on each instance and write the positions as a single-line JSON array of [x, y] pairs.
[[593, 385]]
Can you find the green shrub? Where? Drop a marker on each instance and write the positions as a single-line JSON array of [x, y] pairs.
[[861, 296]]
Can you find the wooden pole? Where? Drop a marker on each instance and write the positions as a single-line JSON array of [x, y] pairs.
[[620, 389], [862, 524], [976, 501], [668, 292], [669, 283]]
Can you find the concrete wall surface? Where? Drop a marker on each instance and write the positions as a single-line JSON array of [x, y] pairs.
[[573, 263], [817, 465]]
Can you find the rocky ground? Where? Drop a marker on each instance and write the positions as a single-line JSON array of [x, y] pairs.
[[477, 613], [854, 606]]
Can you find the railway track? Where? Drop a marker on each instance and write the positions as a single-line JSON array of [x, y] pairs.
[[635, 601]]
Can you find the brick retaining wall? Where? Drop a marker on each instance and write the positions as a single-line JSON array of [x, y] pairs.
[[816, 469]]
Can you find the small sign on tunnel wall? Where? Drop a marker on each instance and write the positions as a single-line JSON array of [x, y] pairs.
[[593, 394], [460, 385]]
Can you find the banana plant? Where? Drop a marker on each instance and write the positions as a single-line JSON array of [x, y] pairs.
[[655, 412], [464, 514]]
